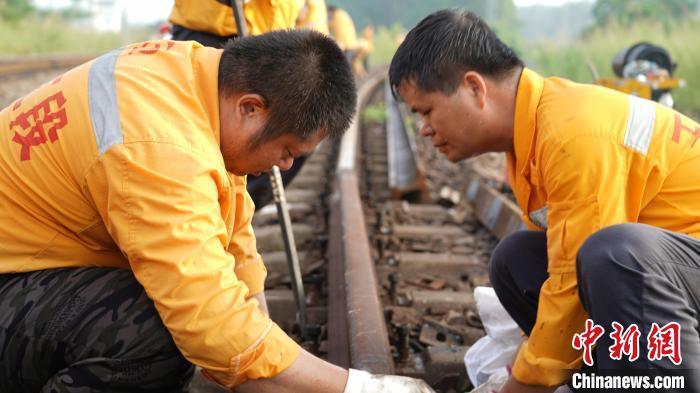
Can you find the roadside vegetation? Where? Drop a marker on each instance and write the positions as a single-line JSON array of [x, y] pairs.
[[600, 45], [52, 35], [26, 30], [615, 25]]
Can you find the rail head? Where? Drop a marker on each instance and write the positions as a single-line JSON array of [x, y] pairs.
[[367, 335], [347, 158]]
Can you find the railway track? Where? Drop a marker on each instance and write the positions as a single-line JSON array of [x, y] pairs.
[[392, 241], [20, 75], [392, 246], [13, 66]]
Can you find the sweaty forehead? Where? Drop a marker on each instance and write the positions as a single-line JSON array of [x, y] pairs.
[[414, 97], [308, 145]]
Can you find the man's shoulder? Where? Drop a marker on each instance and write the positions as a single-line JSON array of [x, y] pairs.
[[568, 110]]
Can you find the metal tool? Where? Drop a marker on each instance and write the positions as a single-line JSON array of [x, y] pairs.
[[239, 18], [290, 248], [282, 209]]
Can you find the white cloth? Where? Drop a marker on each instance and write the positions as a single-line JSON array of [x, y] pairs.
[[493, 352], [363, 382]]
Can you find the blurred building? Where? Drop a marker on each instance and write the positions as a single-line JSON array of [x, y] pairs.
[[107, 15]]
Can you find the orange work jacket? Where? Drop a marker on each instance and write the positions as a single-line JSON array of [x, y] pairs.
[[586, 157], [216, 18], [342, 29], [315, 16], [117, 163]]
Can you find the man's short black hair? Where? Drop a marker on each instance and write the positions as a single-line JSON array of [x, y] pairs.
[[302, 75], [446, 44]]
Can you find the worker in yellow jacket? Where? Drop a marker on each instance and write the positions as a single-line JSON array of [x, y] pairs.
[[365, 47], [313, 15], [342, 30], [211, 22], [609, 188], [126, 247]]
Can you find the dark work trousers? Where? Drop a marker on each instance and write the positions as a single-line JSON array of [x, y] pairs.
[[84, 330], [629, 274], [207, 39]]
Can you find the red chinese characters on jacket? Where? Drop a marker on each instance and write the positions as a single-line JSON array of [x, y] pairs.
[[39, 124]]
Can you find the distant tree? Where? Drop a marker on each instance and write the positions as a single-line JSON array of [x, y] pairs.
[[409, 12], [14, 10], [79, 9], [627, 12]]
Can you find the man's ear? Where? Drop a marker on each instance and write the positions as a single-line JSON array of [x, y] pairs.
[[476, 86], [251, 104]]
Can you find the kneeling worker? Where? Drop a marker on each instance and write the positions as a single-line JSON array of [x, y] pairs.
[[127, 251], [609, 187]]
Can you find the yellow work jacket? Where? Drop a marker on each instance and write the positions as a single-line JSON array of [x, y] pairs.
[[342, 29], [117, 163], [315, 17], [216, 18], [586, 157]]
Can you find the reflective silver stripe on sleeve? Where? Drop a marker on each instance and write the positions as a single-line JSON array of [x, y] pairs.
[[102, 96], [539, 217], [640, 124]]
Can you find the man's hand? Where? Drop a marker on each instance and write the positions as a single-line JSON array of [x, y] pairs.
[[310, 374], [364, 382], [513, 386]]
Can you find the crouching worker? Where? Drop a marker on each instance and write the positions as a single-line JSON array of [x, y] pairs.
[[126, 247], [609, 187]]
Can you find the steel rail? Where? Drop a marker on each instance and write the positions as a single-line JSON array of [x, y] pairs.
[[354, 298], [10, 66]]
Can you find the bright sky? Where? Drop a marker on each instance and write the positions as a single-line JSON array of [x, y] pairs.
[[145, 11], [525, 3]]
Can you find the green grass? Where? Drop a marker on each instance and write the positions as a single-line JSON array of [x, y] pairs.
[[600, 46], [375, 113], [386, 41], [53, 35]]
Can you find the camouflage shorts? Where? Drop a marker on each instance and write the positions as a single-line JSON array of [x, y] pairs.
[[84, 330]]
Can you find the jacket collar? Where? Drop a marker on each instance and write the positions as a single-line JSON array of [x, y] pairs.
[[206, 71], [524, 134]]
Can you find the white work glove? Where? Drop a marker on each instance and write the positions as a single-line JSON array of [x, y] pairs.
[[363, 382]]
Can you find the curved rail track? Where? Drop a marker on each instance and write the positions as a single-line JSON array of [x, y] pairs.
[[392, 241]]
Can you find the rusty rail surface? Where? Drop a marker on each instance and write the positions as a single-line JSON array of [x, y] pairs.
[[354, 301], [18, 65]]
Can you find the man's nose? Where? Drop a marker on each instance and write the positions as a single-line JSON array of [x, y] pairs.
[[426, 129], [286, 163]]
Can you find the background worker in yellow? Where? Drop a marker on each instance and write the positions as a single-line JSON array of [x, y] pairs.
[[313, 15], [126, 245], [365, 46], [608, 184], [342, 30], [211, 22]]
